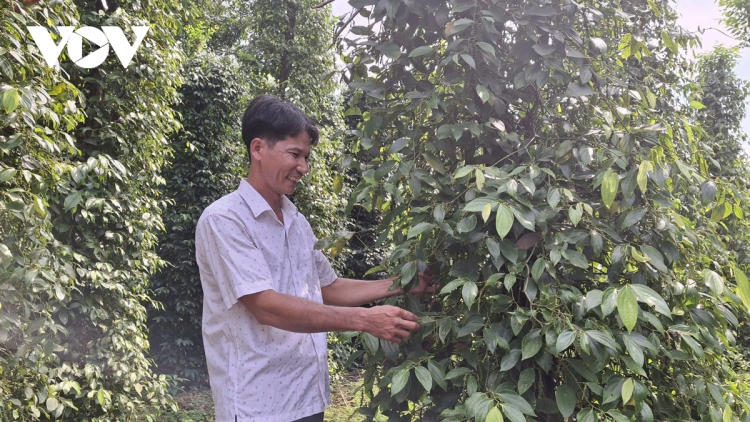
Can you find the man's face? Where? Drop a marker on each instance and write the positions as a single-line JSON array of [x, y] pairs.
[[284, 164]]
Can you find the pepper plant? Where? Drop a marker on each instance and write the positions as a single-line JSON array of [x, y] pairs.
[[537, 156]]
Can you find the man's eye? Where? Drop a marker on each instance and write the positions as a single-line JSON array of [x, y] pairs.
[[295, 155]]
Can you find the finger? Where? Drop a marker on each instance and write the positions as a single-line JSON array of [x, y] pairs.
[[408, 316], [411, 326], [401, 334]]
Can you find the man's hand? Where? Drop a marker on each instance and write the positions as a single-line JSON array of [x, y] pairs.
[[390, 323], [425, 278]]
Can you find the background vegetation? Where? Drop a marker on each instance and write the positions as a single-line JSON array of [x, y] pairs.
[[575, 183]]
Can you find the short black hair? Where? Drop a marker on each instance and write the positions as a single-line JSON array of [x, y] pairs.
[[273, 119]]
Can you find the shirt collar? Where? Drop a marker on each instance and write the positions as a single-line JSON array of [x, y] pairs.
[[259, 205]]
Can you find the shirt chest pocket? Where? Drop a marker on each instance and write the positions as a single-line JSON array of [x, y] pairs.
[[305, 274]]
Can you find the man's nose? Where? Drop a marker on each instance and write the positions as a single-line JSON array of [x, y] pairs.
[[303, 167]]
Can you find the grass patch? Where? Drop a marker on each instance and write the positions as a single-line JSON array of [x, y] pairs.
[[198, 406]]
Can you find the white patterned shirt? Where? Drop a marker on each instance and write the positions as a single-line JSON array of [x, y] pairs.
[[259, 373]]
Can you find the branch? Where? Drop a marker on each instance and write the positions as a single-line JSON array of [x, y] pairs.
[[325, 3], [348, 21]]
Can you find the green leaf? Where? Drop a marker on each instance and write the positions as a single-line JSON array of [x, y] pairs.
[[397, 145], [642, 178], [564, 340], [634, 350], [52, 404], [579, 90], [627, 390], [484, 93], [633, 217], [478, 204], [566, 401], [494, 415], [469, 60], [526, 380], [727, 416], [399, 381], [655, 258], [503, 220], [467, 224], [743, 287], [513, 414], [463, 171], [648, 296], [478, 406], [518, 402], [609, 301], [586, 415], [424, 377], [553, 197], [610, 184], [575, 213], [627, 307], [7, 174], [538, 268], [408, 271], [602, 338], [421, 51], [419, 229], [438, 374], [11, 100], [439, 213], [434, 162], [471, 326], [453, 285], [457, 372], [669, 42], [458, 26], [544, 49], [576, 258], [390, 50], [530, 345], [72, 200], [486, 212], [372, 344], [708, 192], [509, 360], [338, 184], [714, 282], [526, 219], [697, 105], [469, 293]]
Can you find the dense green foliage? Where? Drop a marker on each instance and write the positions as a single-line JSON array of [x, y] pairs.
[[737, 18], [81, 157], [539, 158], [723, 96], [208, 162]]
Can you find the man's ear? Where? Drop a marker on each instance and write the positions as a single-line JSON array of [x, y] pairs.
[[256, 145]]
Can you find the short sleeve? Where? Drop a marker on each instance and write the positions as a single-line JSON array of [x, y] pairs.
[[326, 274], [238, 266]]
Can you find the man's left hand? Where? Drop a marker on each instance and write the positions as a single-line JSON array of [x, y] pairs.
[[425, 278]]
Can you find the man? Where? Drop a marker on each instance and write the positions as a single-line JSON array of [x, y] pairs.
[[269, 297]]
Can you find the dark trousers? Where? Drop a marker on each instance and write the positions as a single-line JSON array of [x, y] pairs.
[[314, 418]]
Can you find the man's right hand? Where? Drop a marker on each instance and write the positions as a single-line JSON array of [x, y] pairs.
[[390, 323]]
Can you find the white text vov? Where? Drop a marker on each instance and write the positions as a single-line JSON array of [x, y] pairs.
[[73, 38]]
